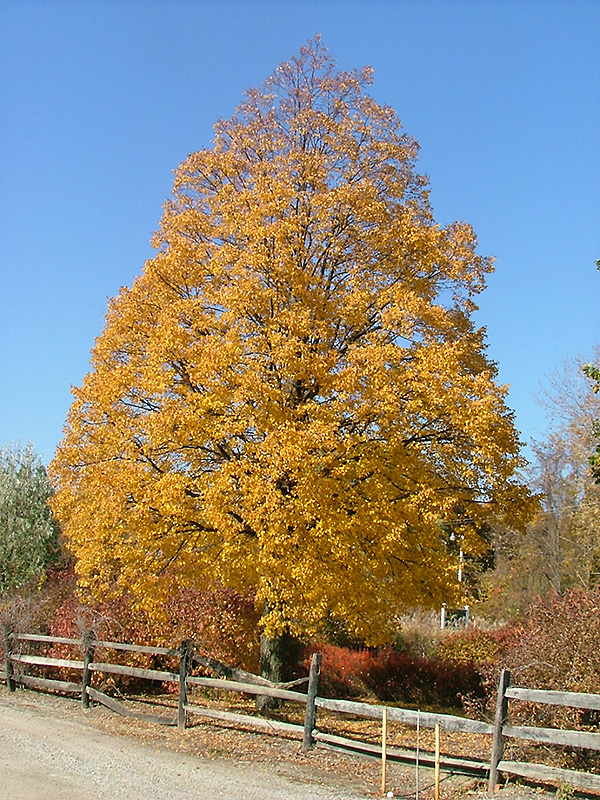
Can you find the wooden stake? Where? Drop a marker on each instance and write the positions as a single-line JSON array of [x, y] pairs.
[[383, 750], [436, 791]]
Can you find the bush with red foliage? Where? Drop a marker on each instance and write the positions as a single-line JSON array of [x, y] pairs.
[[559, 643], [342, 669], [222, 623], [422, 681], [395, 677], [557, 646]]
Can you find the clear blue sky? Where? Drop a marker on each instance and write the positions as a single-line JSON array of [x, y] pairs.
[[100, 101]]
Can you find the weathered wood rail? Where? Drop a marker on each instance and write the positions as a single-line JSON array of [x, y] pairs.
[[543, 773], [235, 680], [228, 679], [231, 679], [417, 719]]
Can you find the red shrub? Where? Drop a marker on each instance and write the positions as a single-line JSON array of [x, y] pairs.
[[222, 623], [559, 645], [421, 681], [218, 619], [342, 669], [394, 677]]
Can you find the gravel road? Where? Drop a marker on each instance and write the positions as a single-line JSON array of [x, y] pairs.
[[43, 757], [51, 750]]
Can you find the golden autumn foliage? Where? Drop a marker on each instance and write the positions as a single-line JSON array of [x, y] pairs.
[[293, 398]]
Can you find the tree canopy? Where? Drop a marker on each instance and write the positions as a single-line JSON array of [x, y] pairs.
[[293, 397], [28, 531], [593, 372]]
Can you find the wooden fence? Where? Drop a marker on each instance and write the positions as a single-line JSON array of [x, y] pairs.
[[232, 679], [541, 773]]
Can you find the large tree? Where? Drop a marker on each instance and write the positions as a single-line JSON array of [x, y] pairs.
[[293, 396], [28, 531]]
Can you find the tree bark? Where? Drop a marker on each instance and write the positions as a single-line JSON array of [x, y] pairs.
[[278, 656]]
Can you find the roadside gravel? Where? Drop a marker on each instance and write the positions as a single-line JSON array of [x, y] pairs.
[[58, 757], [50, 749]]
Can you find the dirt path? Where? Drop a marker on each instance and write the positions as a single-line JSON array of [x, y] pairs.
[[43, 757]]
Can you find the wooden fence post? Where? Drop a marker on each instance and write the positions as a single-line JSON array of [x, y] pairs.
[[499, 722], [185, 657], [311, 696], [10, 683], [87, 643]]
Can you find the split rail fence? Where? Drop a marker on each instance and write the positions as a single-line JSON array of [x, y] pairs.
[[541, 773], [232, 679]]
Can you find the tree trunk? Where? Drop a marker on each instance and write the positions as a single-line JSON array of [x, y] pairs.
[[278, 657]]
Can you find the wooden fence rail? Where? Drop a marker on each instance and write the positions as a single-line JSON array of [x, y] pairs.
[[408, 716], [231, 679], [556, 736], [88, 646], [236, 680]]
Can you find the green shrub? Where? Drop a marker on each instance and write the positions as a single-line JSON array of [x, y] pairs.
[[470, 646]]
